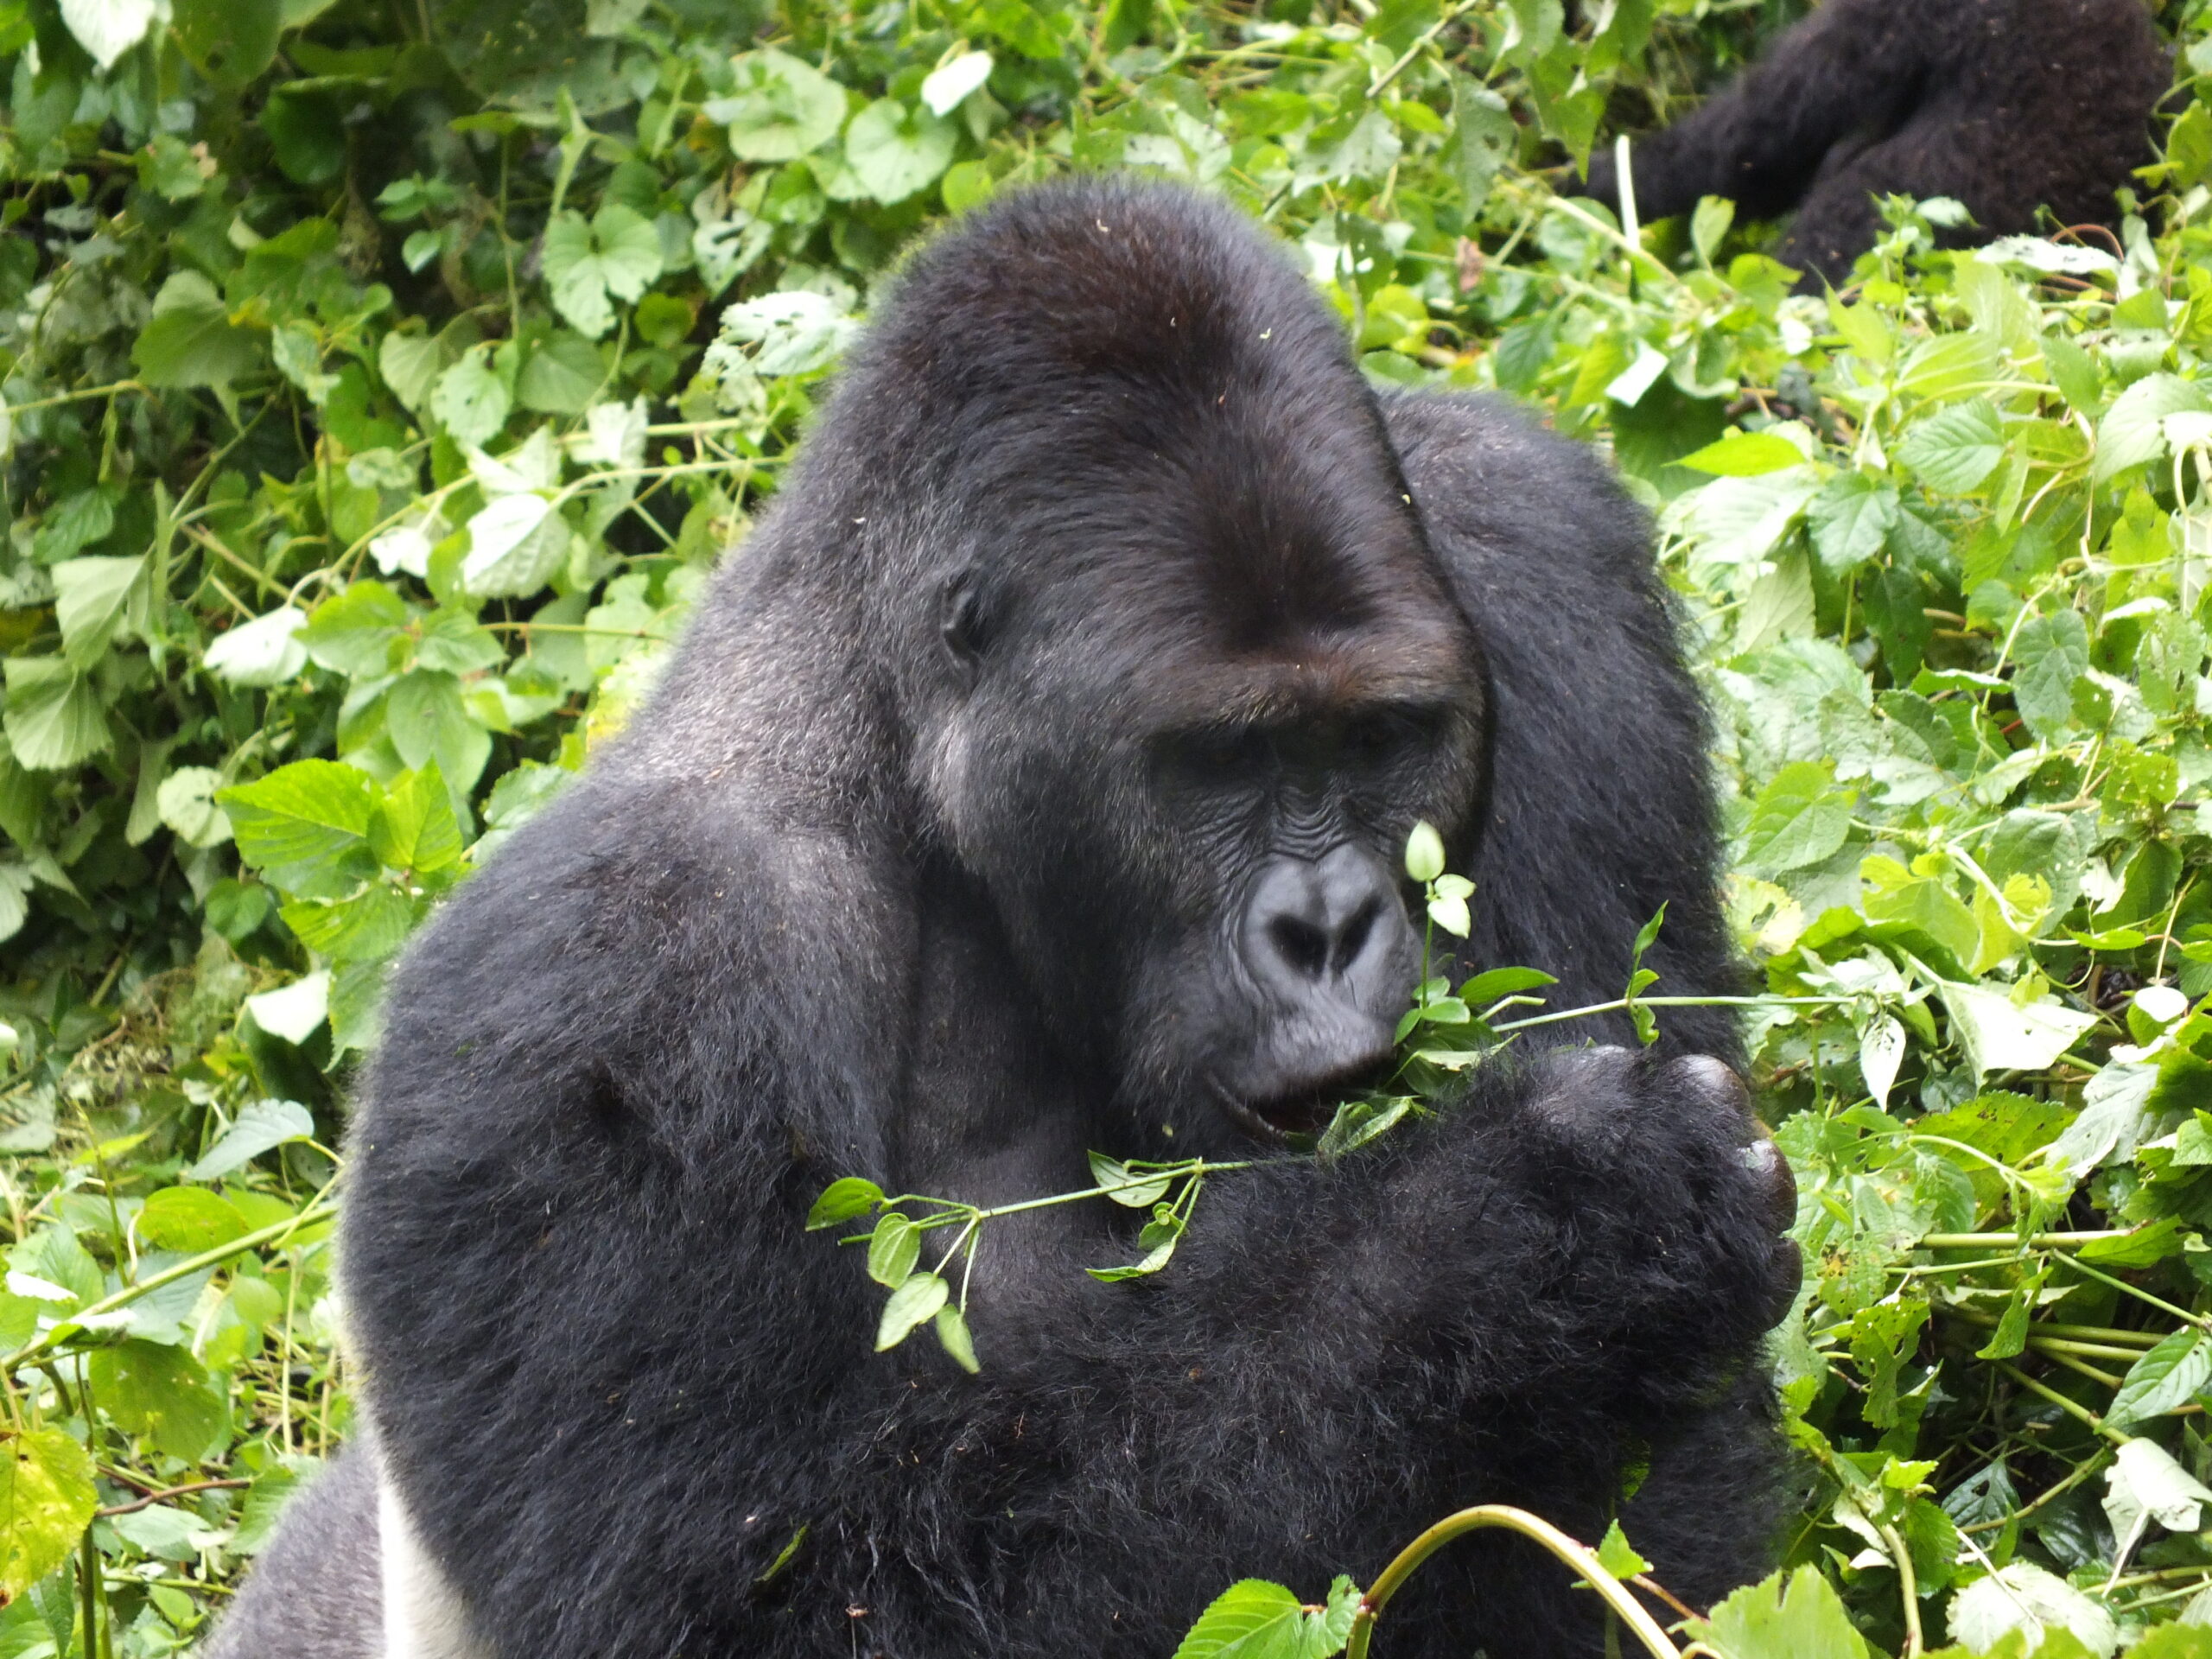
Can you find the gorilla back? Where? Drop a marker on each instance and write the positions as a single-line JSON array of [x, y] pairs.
[[1033, 780]]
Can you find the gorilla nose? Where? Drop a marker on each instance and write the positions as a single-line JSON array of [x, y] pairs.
[[1334, 925]]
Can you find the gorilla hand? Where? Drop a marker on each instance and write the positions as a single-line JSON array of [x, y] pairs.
[[1666, 1157]]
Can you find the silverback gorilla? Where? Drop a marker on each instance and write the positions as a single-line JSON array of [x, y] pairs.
[[1033, 780], [2006, 106]]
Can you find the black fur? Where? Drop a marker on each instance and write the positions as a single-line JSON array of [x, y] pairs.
[[886, 881], [2007, 105]]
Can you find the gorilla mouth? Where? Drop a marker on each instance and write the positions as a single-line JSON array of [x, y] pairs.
[[1299, 1113]]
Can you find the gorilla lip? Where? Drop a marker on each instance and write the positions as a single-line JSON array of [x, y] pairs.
[[1274, 1119]]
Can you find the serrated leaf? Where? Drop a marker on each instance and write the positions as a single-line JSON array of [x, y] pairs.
[[90, 599], [55, 719], [1791, 1615], [1800, 818], [1257, 1619], [2023, 1596], [306, 825], [1850, 518], [188, 340], [47, 1498], [185, 802], [1955, 448], [189, 1219]]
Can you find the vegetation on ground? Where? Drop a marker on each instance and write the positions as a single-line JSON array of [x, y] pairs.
[[380, 379]]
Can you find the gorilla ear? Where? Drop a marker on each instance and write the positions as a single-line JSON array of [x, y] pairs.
[[963, 621]]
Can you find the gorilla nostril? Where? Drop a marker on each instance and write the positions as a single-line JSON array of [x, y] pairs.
[[1303, 945], [1352, 939]]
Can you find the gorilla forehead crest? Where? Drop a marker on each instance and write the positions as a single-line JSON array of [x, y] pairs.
[[1143, 396]]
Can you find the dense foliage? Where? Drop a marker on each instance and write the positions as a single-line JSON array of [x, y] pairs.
[[377, 383]]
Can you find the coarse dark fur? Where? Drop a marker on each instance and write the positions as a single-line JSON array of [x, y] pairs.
[[2006, 106], [927, 862]]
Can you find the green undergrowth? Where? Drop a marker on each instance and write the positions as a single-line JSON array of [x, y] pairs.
[[378, 382]]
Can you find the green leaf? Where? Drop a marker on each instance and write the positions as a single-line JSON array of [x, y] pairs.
[[2023, 1596], [893, 1250], [1424, 853], [2052, 652], [1792, 1616], [1483, 138], [230, 42], [261, 1127], [915, 1301], [54, 718], [306, 127], [1999, 1035], [1745, 455], [1955, 448], [1800, 818], [47, 1498], [1616, 1556], [428, 723], [185, 802], [896, 149], [354, 632], [190, 1219], [368, 927], [2163, 1380], [562, 376], [107, 28], [1137, 1192], [414, 827], [2132, 429], [306, 826], [471, 400], [618, 254], [1257, 1619], [91, 596], [189, 339], [1850, 518], [263, 651], [841, 1200], [160, 1394], [1490, 985], [2074, 372], [953, 1334], [781, 109]]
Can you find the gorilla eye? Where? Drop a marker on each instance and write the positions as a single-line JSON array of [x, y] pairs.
[[1386, 734]]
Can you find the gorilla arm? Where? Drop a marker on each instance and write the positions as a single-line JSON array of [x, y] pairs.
[[1855, 66]]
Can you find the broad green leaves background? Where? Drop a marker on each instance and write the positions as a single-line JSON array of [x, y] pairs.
[[378, 385]]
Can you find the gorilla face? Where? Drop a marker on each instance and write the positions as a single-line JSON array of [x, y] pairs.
[[1217, 728]]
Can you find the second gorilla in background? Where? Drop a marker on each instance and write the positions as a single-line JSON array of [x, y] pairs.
[[2006, 106]]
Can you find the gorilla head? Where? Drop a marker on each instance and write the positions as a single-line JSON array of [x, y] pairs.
[[1193, 675]]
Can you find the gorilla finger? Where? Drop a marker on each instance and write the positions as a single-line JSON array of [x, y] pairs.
[[1776, 1182], [1785, 1277], [1712, 1082]]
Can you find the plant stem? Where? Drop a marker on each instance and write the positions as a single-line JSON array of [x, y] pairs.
[[317, 1210], [1582, 1559]]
